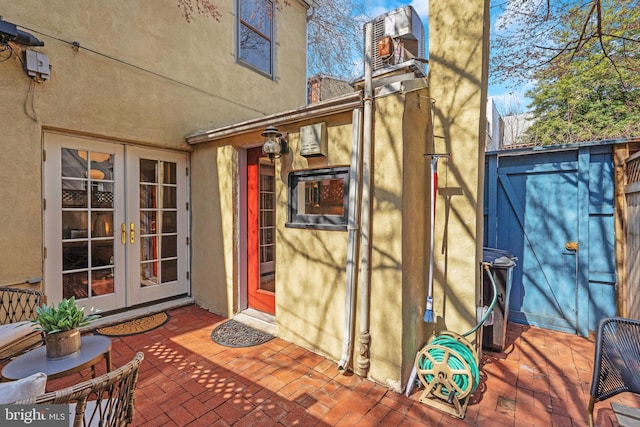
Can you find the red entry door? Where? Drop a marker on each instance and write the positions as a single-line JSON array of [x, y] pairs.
[[261, 232]]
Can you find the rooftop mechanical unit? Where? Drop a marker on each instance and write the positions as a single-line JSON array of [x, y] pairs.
[[398, 36]]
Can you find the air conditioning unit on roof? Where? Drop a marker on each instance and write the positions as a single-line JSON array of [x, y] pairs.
[[398, 36]]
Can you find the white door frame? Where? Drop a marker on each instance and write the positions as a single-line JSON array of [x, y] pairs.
[[137, 292], [126, 211]]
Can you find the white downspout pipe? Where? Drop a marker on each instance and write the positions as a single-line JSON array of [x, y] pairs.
[[352, 246], [362, 365]]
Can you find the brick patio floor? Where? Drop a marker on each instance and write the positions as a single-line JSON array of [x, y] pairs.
[[542, 379]]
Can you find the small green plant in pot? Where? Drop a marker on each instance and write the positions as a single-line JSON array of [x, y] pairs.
[[60, 325]]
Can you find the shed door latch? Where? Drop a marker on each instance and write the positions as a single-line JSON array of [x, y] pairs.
[[571, 246]]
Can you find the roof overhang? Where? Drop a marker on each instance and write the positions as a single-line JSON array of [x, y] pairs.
[[331, 106]]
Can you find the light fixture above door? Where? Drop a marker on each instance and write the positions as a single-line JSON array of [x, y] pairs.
[[275, 144]]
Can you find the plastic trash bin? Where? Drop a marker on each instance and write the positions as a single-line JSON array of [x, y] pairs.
[[501, 267]]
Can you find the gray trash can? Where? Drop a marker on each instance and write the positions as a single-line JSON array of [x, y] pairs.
[[501, 267]]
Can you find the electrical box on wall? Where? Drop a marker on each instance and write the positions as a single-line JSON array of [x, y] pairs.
[[313, 140], [37, 65]]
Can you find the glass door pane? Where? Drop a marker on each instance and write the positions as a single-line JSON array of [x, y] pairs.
[[158, 215], [84, 256], [107, 250], [158, 222], [87, 223], [267, 226]]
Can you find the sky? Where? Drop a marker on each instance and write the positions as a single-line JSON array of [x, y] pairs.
[[505, 97], [508, 99]]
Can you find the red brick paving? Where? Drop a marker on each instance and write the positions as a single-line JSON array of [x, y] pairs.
[[541, 379]]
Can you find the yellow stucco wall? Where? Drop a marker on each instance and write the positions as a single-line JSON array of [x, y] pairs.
[[399, 234], [311, 313], [142, 75], [311, 264], [157, 78], [310, 271], [213, 264], [458, 63]]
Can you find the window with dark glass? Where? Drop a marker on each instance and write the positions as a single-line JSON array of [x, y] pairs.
[[255, 33], [318, 198]]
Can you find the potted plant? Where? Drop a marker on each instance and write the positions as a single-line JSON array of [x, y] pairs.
[[60, 325]]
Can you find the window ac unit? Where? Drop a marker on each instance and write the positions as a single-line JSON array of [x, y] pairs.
[[398, 36]]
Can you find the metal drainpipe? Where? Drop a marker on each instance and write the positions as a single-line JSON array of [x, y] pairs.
[[362, 364], [352, 227]]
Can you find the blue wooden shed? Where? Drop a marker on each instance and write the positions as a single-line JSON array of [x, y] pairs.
[[553, 208]]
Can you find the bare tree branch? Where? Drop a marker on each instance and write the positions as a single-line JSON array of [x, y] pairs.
[[205, 8], [530, 35]]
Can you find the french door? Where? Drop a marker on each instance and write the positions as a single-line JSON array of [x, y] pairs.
[[115, 222]]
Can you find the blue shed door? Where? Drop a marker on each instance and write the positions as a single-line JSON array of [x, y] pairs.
[[554, 211]]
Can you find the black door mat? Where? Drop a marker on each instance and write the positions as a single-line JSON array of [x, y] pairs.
[[235, 334]]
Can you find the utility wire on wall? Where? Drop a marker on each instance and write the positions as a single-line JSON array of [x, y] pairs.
[[77, 46], [28, 106], [5, 52]]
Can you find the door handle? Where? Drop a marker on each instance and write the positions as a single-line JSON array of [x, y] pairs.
[[132, 233], [123, 234], [571, 246]]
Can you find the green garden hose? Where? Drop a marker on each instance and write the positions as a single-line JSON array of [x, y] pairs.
[[493, 301], [447, 357], [448, 366]]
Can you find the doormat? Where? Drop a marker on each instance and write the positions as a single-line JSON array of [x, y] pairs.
[[136, 326], [235, 334]]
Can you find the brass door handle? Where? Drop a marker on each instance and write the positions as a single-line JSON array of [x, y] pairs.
[[571, 246], [132, 233], [123, 234]]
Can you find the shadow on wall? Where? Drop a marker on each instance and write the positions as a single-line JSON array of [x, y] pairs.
[[459, 91], [209, 258]]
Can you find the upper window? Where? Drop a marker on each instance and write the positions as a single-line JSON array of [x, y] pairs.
[[255, 34], [318, 198]]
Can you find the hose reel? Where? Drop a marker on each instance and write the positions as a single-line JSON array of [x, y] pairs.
[[447, 367]]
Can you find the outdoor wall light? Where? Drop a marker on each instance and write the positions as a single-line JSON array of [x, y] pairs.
[[275, 144], [9, 32]]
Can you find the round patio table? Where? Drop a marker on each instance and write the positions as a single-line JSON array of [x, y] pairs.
[[93, 349]]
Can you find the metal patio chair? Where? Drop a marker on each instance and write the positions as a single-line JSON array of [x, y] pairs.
[[616, 366], [17, 335], [105, 401]]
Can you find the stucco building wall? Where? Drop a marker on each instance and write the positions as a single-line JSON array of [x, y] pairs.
[[401, 196], [400, 225], [141, 75], [213, 264], [310, 273], [311, 263], [458, 68]]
